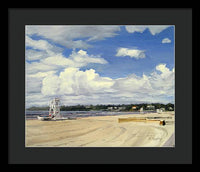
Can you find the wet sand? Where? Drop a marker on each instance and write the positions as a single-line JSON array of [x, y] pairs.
[[101, 131]]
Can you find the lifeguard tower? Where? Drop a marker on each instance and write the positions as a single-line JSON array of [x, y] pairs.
[[54, 110]]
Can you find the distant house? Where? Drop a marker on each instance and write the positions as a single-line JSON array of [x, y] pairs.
[[121, 108], [163, 109], [170, 108], [134, 107], [159, 110], [150, 107], [87, 106], [110, 108], [141, 110]]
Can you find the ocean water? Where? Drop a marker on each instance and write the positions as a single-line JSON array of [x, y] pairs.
[[75, 114]]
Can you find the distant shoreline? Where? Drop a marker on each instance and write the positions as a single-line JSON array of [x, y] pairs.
[[110, 107], [82, 114]]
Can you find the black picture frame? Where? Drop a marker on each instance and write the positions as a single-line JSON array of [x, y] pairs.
[[181, 18]]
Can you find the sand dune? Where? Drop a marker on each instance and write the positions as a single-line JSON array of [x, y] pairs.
[[101, 131]]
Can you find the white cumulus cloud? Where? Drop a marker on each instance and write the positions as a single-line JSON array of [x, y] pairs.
[[32, 55], [67, 35], [72, 81], [133, 53], [166, 40], [42, 45], [40, 49], [154, 29], [50, 85], [82, 87], [58, 62]]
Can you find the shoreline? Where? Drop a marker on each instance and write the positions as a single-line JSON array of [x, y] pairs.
[[99, 131], [27, 117]]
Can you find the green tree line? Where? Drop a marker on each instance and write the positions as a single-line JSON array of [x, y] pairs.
[[124, 107]]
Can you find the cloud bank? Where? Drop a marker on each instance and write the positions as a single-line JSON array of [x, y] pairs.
[[76, 86]]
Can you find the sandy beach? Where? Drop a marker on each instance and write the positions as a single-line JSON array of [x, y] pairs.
[[101, 131]]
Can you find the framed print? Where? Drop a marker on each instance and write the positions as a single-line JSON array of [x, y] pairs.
[[100, 86]]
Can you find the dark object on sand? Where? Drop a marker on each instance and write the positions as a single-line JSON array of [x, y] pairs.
[[162, 122]]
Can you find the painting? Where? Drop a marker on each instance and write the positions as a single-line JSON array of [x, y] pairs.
[[100, 85]]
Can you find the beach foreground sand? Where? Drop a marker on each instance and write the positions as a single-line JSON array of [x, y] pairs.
[[101, 131]]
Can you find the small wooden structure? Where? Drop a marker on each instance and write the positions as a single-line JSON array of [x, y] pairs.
[[140, 119]]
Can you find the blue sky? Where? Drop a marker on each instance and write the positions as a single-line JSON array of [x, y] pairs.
[[86, 64], [156, 52]]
